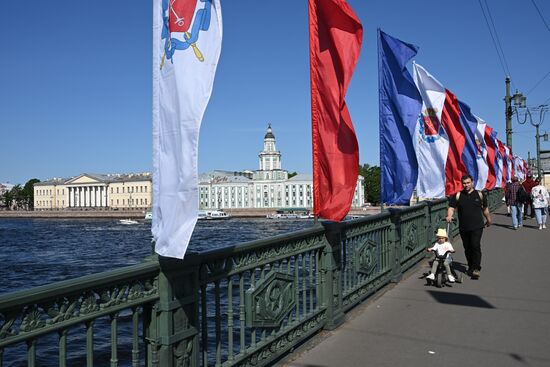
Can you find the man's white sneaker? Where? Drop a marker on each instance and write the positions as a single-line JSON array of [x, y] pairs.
[[544, 226], [540, 226], [431, 276], [451, 278]]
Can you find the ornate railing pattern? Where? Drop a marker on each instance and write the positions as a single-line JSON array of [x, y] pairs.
[[60, 307], [367, 257], [245, 305]]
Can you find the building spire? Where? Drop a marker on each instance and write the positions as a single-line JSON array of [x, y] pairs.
[[270, 158]]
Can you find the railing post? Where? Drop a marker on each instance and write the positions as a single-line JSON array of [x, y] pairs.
[[396, 248], [332, 267], [177, 314]]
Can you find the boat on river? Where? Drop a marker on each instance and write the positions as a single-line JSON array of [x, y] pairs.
[[149, 215], [128, 221], [213, 215], [291, 213]]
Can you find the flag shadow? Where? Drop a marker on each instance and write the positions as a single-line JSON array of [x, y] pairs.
[[460, 299]]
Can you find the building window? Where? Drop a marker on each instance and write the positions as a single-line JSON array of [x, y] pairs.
[[117, 190]]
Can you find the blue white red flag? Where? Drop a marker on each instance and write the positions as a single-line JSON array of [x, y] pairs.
[[498, 160], [504, 167], [481, 159], [399, 107], [430, 140], [518, 168], [470, 154], [508, 163], [491, 158], [187, 39]]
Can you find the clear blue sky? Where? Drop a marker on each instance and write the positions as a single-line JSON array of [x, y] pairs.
[[75, 79]]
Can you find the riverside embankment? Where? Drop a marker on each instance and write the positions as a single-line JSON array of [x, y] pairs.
[[139, 214]]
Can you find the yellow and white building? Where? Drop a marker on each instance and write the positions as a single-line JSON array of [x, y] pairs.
[[92, 191]]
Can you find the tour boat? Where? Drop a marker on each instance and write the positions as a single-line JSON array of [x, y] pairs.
[[148, 216], [128, 221], [213, 214], [291, 213]]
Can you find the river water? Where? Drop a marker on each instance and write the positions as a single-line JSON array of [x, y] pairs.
[[40, 251]]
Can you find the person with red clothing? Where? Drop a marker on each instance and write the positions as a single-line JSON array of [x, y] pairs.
[[528, 185]]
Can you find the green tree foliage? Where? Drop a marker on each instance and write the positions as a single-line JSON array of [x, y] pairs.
[[7, 199], [20, 197], [28, 193], [292, 174], [16, 196], [372, 182]]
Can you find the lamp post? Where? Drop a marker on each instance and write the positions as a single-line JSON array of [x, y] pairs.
[[542, 111], [519, 101], [538, 136]]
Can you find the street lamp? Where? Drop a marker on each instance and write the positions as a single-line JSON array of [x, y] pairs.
[[542, 109], [519, 101]]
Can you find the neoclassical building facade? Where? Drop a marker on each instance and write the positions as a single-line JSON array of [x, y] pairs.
[[267, 187], [93, 191]]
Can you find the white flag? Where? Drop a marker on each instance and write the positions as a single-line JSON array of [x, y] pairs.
[[430, 140], [187, 36]]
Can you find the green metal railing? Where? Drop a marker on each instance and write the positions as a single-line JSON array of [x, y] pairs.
[[237, 306]]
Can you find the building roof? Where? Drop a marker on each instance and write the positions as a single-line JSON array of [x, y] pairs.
[[269, 133], [107, 178], [302, 177], [215, 177]]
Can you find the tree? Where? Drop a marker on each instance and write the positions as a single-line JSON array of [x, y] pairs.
[[7, 198], [372, 182], [28, 193], [292, 174], [16, 197]]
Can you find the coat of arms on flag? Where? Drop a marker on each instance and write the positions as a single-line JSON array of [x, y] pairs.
[[430, 126], [183, 21]]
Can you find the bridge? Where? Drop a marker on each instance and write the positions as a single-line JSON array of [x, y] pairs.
[[339, 293], [502, 319]]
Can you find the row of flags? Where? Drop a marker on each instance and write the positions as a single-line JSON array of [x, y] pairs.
[[429, 139]]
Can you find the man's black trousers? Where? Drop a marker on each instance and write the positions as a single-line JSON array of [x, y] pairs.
[[472, 247]]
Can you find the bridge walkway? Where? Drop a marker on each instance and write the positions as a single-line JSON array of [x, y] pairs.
[[502, 319]]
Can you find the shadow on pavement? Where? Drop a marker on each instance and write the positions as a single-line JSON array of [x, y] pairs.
[[509, 226], [460, 299]]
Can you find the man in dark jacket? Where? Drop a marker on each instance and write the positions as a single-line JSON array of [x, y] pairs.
[[472, 208], [513, 199]]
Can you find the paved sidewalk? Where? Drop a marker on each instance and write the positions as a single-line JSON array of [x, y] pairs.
[[502, 319]]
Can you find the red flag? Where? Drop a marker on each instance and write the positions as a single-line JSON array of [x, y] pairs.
[[454, 167], [335, 36], [491, 152]]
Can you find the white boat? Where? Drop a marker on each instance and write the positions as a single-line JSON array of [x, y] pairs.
[[213, 214], [291, 213], [128, 221], [148, 216]]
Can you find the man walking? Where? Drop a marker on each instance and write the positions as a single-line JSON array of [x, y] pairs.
[[514, 200], [472, 208]]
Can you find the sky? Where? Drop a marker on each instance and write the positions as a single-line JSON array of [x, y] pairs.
[[76, 76]]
